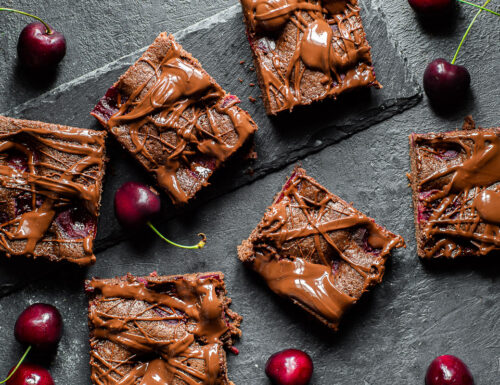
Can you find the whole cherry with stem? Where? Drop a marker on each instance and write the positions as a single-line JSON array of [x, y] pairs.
[[437, 7], [40, 47], [446, 83], [448, 370], [290, 367], [40, 327], [136, 204]]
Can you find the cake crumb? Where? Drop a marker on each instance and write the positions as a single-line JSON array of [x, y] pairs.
[[242, 61], [252, 84], [241, 80], [252, 99]]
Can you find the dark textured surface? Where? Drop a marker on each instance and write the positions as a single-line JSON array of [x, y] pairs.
[[420, 311]]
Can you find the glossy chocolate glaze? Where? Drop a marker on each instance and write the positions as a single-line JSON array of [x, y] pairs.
[[296, 248], [53, 184], [172, 335], [322, 36], [455, 177], [180, 96]]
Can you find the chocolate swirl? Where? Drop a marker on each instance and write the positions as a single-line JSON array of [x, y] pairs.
[[328, 38], [46, 170], [160, 330], [176, 115], [456, 177], [308, 239]]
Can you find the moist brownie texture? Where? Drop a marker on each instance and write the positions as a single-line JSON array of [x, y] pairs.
[[50, 190], [307, 50], [174, 118], [456, 194], [317, 250], [160, 330]]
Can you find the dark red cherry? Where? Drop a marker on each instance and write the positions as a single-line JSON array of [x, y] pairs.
[[448, 370], [428, 7], [444, 83], [136, 204], [40, 49], [289, 367], [40, 326], [30, 374]]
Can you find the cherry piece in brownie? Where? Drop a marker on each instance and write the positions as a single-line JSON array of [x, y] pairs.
[[317, 250], [307, 50], [160, 329], [455, 177], [174, 118], [50, 189]]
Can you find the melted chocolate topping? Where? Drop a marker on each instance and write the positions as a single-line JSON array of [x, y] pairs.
[[52, 180], [180, 96], [170, 336], [460, 195], [329, 39], [297, 241]]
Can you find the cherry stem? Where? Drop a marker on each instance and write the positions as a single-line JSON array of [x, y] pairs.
[[480, 7], [48, 29], [199, 245], [17, 366], [467, 32]]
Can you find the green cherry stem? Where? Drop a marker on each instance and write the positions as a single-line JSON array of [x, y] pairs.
[[199, 245], [17, 366], [480, 7], [467, 32], [49, 30]]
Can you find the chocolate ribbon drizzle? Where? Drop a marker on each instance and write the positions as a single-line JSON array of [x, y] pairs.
[[461, 196], [329, 39], [50, 179], [180, 96], [131, 315], [297, 247]]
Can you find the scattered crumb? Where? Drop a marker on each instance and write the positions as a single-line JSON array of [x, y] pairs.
[[242, 61], [252, 84], [252, 99], [241, 80], [250, 171], [252, 68]]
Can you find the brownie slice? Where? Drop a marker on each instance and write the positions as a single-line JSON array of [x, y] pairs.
[[50, 190], [307, 50], [160, 329], [455, 179], [317, 250], [174, 118]]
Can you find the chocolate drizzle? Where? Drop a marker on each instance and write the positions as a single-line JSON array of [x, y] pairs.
[[166, 330], [307, 237], [179, 97], [57, 168], [458, 197], [327, 38]]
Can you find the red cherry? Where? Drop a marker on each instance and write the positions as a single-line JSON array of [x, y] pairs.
[[428, 7], [289, 367], [38, 49], [136, 204], [30, 374], [444, 83], [448, 370], [40, 326]]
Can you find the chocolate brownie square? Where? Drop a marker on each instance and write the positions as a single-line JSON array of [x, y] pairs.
[[455, 179], [50, 190], [160, 329], [317, 250], [174, 119], [307, 50]]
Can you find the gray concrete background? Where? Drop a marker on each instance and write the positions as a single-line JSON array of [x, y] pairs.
[[421, 310]]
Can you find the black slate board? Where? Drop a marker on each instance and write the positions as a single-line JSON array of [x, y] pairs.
[[220, 44]]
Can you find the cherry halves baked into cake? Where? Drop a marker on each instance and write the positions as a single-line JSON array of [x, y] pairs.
[[307, 50], [174, 118], [455, 177], [160, 330], [51, 180], [317, 250]]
